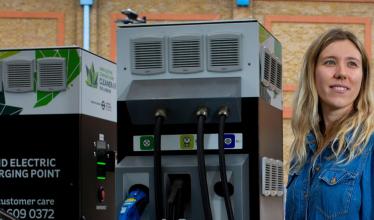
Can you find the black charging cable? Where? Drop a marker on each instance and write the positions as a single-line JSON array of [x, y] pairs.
[[174, 200], [223, 114], [179, 196], [6, 216], [160, 115], [201, 117]]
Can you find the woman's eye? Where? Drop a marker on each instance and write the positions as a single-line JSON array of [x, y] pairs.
[[329, 62], [352, 64]]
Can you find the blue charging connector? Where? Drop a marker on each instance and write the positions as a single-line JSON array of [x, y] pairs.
[[135, 203]]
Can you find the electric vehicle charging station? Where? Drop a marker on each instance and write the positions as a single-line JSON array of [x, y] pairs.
[[186, 87], [58, 117]]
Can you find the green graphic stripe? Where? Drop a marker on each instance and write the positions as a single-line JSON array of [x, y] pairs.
[[7, 54], [43, 98], [264, 35], [9, 110]]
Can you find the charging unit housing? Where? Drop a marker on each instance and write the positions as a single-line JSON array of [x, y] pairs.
[[180, 67], [58, 119]]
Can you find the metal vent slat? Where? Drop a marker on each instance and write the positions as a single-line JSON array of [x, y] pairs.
[[224, 52], [18, 75], [267, 176], [266, 67], [273, 73], [147, 55], [272, 177], [280, 179], [279, 76], [51, 74], [185, 54]]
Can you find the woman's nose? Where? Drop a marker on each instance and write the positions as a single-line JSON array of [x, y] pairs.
[[340, 72]]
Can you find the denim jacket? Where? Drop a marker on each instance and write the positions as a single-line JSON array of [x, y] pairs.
[[329, 190]]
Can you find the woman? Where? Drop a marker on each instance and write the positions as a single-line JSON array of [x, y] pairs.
[[332, 162]]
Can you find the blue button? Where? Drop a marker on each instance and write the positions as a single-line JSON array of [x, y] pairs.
[[229, 140]]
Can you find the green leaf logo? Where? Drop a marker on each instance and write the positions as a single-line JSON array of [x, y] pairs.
[[92, 76], [73, 62]]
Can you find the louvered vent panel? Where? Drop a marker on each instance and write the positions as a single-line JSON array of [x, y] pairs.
[[272, 177], [265, 67], [280, 179], [51, 74], [18, 75], [273, 73], [266, 176], [185, 54], [279, 76], [224, 53], [147, 56]]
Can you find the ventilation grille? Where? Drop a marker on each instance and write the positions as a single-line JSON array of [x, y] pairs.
[[279, 76], [147, 56], [186, 54], [273, 75], [271, 71], [18, 75], [280, 178], [267, 69], [272, 177], [51, 74], [267, 179], [224, 53]]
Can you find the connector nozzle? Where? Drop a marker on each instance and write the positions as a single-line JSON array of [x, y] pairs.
[[160, 113], [202, 111], [224, 110]]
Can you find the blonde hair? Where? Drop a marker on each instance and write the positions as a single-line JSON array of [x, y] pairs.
[[306, 113]]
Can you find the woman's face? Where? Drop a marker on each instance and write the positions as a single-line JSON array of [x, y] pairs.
[[338, 76]]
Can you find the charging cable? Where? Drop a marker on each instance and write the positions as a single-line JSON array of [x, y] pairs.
[[179, 196], [6, 216], [135, 203], [223, 114], [201, 116], [160, 115]]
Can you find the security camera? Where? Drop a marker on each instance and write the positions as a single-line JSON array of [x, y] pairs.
[[132, 17], [130, 14]]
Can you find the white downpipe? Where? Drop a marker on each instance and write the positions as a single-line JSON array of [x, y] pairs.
[[86, 27], [86, 22]]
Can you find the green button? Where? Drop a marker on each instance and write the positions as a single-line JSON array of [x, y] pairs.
[[102, 178], [186, 142], [100, 163], [147, 142]]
